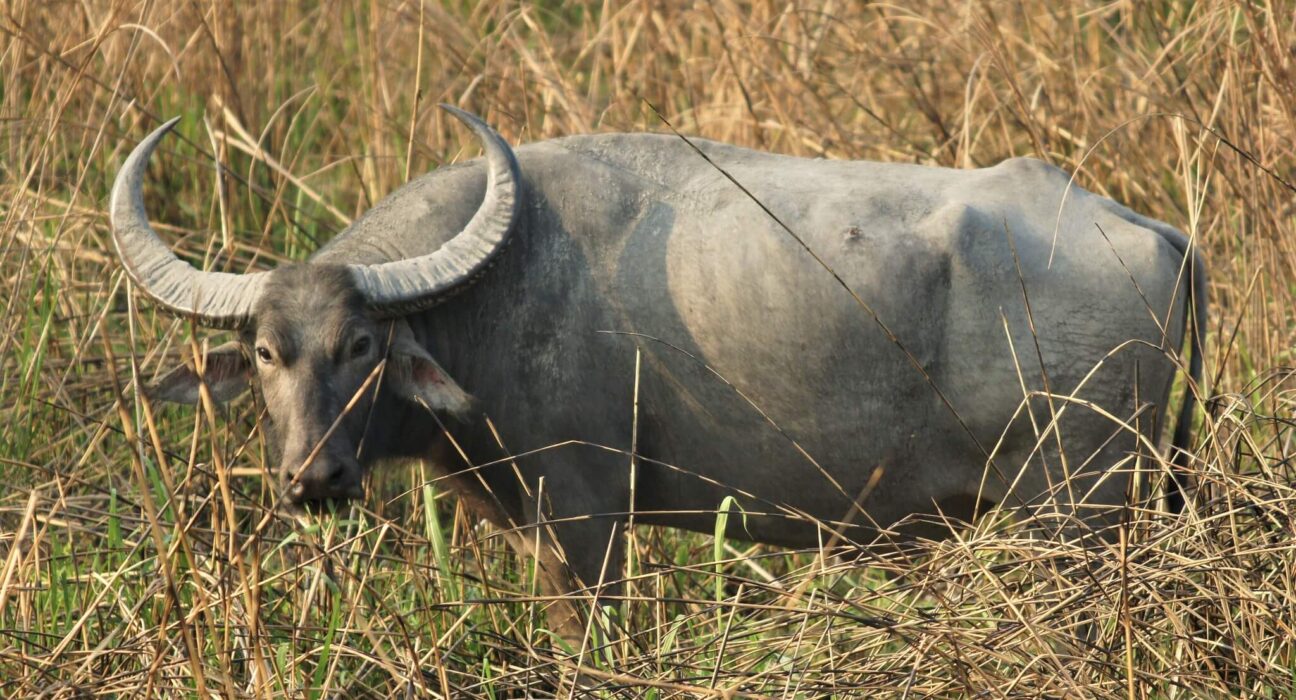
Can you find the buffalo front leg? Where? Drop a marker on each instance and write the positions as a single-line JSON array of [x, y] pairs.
[[534, 542], [581, 556]]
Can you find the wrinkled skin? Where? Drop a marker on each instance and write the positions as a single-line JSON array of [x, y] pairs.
[[919, 411]]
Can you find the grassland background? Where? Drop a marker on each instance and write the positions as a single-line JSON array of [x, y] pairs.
[[137, 552]]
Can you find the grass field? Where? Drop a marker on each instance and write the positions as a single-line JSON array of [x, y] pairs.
[[138, 552]]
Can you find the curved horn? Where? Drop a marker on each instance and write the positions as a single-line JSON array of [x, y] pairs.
[[217, 299], [404, 286]]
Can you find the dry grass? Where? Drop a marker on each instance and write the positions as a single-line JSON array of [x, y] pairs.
[[137, 554]]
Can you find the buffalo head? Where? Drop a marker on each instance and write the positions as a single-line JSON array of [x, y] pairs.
[[326, 343]]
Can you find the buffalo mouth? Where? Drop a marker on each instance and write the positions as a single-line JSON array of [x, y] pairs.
[[334, 482], [319, 506]]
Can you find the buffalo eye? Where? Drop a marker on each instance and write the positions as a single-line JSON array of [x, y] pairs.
[[263, 354], [360, 347]]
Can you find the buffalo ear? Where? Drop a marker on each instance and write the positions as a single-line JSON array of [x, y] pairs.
[[227, 373], [419, 378]]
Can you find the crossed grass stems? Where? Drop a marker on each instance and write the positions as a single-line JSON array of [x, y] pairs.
[[795, 595], [1078, 562]]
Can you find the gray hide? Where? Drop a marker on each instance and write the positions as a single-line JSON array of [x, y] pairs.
[[628, 242]]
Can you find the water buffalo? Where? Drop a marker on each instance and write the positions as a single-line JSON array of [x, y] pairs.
[[838, 345]]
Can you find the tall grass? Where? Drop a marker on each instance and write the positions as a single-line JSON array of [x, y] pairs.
[[138, 554]]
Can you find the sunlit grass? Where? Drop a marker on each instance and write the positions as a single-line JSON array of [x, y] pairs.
[[129, 565]]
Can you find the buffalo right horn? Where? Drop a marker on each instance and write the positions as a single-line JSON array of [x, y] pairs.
[[218, 299]]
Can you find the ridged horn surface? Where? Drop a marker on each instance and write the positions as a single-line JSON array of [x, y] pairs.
[[404, 286], [218, 299]]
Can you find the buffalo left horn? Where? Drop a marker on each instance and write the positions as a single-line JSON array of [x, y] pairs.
[[404, 286]]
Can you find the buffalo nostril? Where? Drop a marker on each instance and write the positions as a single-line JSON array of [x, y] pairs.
[[297, 492], [335, 475]]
